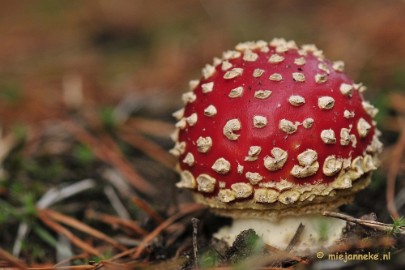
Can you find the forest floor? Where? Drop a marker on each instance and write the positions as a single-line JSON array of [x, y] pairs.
[[87, 90]]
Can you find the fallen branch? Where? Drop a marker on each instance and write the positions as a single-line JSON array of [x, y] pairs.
[[368, 223]]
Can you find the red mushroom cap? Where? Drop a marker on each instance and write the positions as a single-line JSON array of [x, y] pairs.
[[270, 125]]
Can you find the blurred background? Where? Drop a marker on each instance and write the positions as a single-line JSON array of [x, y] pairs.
[[87, 89], [148, 50]]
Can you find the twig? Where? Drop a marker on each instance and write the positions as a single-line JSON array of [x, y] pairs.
[[149, 126], [72, 267], [116, 202], [295, 238], [67, 260], [74, 239], [188, 210], [55, 195], [368, 223], [11, 259], [114, 221], [195, 221], [281, 255], [52, 196], [148, 209], [150, 148], [106, 150], [80, 226]]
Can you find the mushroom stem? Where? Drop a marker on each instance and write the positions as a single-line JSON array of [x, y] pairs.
[[318, 232]]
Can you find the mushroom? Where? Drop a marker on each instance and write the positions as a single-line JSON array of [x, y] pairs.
[[273, 135]]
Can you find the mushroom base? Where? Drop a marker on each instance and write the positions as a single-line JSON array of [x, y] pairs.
[[248, 208], [319, 232]]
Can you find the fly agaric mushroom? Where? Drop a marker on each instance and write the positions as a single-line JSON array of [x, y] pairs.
[[272, 135]]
